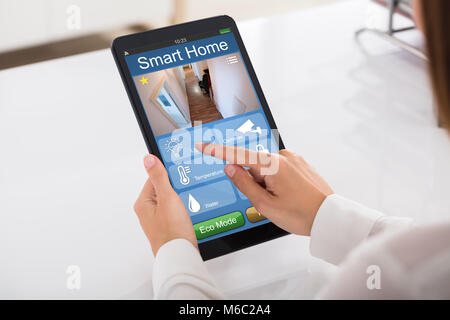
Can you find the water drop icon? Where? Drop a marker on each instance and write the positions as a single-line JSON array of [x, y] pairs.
[[194, 206]]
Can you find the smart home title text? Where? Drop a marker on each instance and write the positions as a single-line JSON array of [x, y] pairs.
[[189, 52]]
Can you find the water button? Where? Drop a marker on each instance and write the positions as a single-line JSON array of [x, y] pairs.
[[208, 197]]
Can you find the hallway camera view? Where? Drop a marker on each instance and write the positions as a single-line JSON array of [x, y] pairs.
[[196, 93]]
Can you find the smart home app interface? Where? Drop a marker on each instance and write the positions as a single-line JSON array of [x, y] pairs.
[[197, 89]]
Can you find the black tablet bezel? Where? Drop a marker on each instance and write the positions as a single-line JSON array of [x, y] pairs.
[[236, 241]]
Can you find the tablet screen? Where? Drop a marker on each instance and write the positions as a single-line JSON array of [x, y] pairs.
[[198, 89]]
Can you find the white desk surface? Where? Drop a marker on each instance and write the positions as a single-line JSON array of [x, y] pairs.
[[71, 157]]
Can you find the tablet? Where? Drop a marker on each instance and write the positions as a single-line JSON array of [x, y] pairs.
[[194, 82]]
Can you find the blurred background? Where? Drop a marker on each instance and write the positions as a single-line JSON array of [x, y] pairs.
[[39, 30]]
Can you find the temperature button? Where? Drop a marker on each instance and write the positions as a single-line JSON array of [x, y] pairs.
[[188, 174]]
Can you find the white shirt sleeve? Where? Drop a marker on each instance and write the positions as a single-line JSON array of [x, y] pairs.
[[341, 225], [410, 264], [180, 273]]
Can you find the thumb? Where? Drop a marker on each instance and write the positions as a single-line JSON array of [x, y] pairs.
[[247, 184], [157, 174]]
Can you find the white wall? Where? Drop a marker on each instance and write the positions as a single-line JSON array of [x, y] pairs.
[[195, 69], [159, 122], [181, 74], [178, 87], [244, 10], [31, 22], [231, 81]]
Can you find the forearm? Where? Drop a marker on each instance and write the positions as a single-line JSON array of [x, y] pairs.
[[180, 273], [341, 225]]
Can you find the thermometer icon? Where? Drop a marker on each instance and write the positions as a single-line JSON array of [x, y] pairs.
[[183, 171]]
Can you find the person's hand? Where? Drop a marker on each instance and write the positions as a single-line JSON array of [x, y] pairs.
[[283, 187], [160, 210]]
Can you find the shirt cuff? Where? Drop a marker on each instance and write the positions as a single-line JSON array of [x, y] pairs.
[[339, 226], [179, 261]]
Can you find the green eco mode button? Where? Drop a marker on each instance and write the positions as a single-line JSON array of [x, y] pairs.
[[218, 225]]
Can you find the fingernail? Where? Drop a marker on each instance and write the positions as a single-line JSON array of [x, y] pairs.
[[198, 146], [230, 170], [149, 161]]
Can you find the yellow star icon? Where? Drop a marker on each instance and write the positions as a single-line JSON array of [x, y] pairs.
[[144, 80]]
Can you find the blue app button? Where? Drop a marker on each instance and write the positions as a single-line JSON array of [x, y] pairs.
[[244, 128], [212, 196], [263, 144], [200, 169], [176, 146], [180, 145]]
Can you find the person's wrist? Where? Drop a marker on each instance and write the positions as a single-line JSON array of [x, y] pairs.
[[158, 244], [313, 212]]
